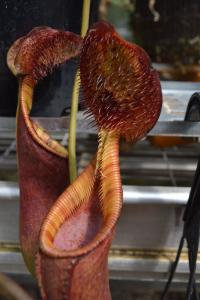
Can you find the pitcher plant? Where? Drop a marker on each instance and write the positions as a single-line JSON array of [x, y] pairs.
[[67, 230]]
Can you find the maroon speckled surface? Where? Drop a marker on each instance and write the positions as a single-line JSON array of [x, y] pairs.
[[78, 278], [42, 178], [80, 228]]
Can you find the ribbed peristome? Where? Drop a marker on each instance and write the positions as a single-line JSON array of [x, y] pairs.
[[106, 179], [98, 185]]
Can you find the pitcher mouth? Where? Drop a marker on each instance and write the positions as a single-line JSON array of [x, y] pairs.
[[48, 247], [31, 58], [47, 238], [98, 195], [36, 131]]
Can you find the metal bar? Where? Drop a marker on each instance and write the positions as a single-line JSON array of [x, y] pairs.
[[176, 128], [155, 195], [177, 87], [132, 194], [57, 127], [9, 190], [145, 163], [121, 267], [129, 164], [175, 99]]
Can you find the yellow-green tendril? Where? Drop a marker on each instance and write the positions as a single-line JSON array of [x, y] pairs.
[[74, 103]]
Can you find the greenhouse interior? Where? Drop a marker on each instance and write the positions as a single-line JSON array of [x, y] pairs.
[[99, 150]]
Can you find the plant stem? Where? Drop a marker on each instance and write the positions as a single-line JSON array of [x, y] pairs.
[[75, 97], [72, 130], [85, 17]]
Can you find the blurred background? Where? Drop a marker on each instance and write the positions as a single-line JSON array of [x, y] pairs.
[[157, 172], [169, 32]]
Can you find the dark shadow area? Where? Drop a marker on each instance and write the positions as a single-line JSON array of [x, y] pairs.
[[17, 18]]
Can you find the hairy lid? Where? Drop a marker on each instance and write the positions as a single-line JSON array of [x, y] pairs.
[[120, 88]]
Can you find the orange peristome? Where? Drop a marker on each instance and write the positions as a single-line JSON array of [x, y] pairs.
[[42, 49], [42, 161], [31, 57], [121, 89], [78, 230]]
